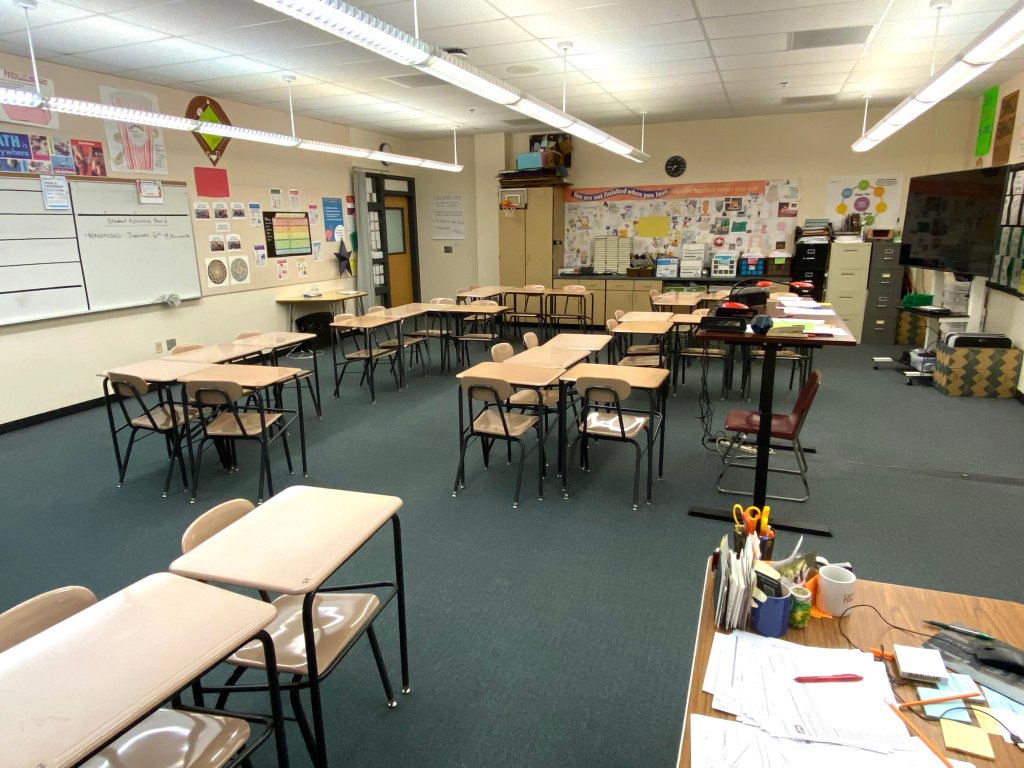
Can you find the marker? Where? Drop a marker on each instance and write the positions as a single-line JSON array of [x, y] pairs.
[[961, 630], [828, 679]]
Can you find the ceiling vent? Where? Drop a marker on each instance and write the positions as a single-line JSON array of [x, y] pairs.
[[797, 101], [415, 81], [827, 38]]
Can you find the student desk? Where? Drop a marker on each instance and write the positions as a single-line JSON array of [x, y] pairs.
[[549, 357], [484, 292], [771, 346], [655, 328], [903, 606], [254, 379], [291, 544], [367, 324], [73, 688], [520, 376], [645, 316], [688, 299], [592, 342], [216, 353], [331, 298], [275, 341], [584, 301], [650, 380], [453, 316]]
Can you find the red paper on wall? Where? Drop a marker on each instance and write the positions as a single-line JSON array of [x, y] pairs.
[[211, 182]]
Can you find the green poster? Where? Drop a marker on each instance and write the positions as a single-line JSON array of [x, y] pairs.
[[987, 121]]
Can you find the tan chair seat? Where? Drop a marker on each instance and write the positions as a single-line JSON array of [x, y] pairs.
[[433, 333], [607, 424], [407, 341], [173, 739], [489, 423], [338, 616], [710, 351], [529, 397], [644, 349], [362, 354], [642, 361], [478, 337], [162, 417], [782, 354], [225, 425]]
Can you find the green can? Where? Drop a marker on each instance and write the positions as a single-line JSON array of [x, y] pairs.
[[800, 607]]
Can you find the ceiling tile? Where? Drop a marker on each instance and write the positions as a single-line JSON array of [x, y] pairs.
[[516, 8], [712, 8], [830, 68], [190, 17], [799, 58], [968, 23], [478, 34], [223, 67], [511, 53], [432, 15], [738, 46], [631, 37], [654, 54], [269, 36], [171, 50], [309, 56], [600, 18], [824, 16], [12, 18], [90, 33]]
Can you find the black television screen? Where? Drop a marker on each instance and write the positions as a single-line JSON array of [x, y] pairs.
[[953, 219]]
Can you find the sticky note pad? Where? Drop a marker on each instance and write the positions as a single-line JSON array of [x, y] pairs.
[[652, 226], [989, 724], [954, 710], [967, 738]]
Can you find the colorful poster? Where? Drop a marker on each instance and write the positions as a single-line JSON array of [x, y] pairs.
[[259, 256], [234, 243], [89, 158], [134, 147], [37, 116], [216, 272], [255, 215], [216, 243], [282, 269], [287, 234], [61, 159], [293, 199], [300, 266], [318, 253], [875, 197], [314, 214], [220, 210], [151, 191], [15, 152], [333, 219]]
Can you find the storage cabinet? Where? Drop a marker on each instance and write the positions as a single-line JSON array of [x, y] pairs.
[[530, 241], [619, 296], [885, 283], [627, 294], [847, 283]]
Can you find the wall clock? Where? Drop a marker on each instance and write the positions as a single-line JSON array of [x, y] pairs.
[[385, 147], [675, 166]]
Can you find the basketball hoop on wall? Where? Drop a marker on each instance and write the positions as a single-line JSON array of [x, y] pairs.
[[508, 207]]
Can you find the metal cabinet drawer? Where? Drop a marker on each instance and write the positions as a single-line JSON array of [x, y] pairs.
[[846, 280], [846, 304], [850, 255]]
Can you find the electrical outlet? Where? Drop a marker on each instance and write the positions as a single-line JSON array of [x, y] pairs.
[[449, 249], [171, 344], [159, 347]]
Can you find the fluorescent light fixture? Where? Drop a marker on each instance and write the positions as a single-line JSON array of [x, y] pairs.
[[356, 26], [248, 134], [539, 111], [334, 149], [391, 157], [443, 66], [436, 166], [1000, 39], [587, 133], [19, 98], [121, 114]]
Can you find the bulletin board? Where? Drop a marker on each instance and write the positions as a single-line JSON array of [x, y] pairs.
[[735, 217], [232, 246]]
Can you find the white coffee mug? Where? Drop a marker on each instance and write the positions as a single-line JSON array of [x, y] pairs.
[[836, 586]]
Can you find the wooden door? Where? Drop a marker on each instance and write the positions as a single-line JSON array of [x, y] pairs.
[[511, 248], [539, 236], [399, 255]]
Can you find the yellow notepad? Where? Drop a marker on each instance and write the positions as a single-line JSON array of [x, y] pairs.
[[971, 739]]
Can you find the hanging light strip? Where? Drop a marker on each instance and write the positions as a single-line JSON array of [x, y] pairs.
[[172, 122], [1001, 38], [358, 27]]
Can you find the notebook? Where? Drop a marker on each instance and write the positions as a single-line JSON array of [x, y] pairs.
[[920, 663]]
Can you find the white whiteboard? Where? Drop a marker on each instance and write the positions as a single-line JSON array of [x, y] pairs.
[[108, 252]]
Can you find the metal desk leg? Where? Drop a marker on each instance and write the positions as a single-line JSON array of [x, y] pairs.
[[563, 389], [403, 639], [319, 737], [368, 364], [273, 683]]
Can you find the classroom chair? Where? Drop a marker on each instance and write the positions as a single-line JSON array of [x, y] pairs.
[[799, 363], [494, 420], [410, 342], [342, 617], [530, 340], [652, 295], [168, 737], [613, 351], [702, 353], [532, 312], [477, 329], [223, 419], [178, 349], [525, 398], [603, 417], [573, 311], [169, 421], [439, 329], [368, 358], [784, 427]]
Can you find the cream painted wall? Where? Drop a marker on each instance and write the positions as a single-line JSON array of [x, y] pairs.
[[65, 355]]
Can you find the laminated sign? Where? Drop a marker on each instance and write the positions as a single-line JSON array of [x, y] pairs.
[[209, 111]]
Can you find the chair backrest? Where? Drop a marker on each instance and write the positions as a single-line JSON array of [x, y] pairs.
[[485, 389], [653, 293], [619, 313], [41, 612], [246, 334], [343, 316], [535, 287], [501, 352], [375, 308], [483, 303], [128, 386], [213, 393], [575, 289], [530, 340], [214, 521], [603, 388], [611, 324], [806, 397], [442, 300], [179, 348], [468, 288]]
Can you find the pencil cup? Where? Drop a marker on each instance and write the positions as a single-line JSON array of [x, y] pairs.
[[771, 618], [767, 546], [739, 540], [800, 608]]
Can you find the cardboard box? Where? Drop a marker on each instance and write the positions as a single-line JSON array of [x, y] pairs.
[[977, 371], [545, 158]]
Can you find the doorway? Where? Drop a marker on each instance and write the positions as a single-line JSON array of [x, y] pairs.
[[399, 260]]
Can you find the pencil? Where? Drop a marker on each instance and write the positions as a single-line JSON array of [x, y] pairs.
[[953, 697], [921, 736]]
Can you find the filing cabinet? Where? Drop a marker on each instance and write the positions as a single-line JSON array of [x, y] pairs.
[[810, 257], [849, 265], [885, 284]]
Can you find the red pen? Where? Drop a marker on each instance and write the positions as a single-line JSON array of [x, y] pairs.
[[828, 679]]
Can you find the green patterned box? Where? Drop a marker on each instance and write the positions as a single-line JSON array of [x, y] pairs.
[[977, 372], [910, 329]]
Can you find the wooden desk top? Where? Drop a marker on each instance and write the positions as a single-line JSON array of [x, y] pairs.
[[375, 320], [686, 319], [652, 327], [485, 291], [592, 342], [407, 310], [903, 606], [733, 337], [73, 687], [549, 357], [467, 309], [215, 353], [325, 296], [292, 542], [275, 339], [517, 375], [638, 378], [159, 371], [248, 376], [645, 316]]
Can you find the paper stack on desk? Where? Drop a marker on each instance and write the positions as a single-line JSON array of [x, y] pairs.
[[786, 723]]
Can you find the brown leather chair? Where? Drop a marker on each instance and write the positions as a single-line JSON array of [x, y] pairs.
[[784, 427]]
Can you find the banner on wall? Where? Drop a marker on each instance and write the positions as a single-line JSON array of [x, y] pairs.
[[734, 217]]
